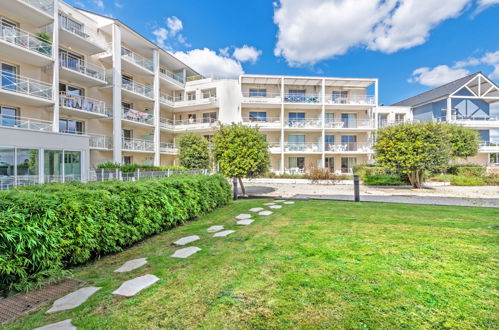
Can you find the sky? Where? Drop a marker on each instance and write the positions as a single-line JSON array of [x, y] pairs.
[[409, 45]]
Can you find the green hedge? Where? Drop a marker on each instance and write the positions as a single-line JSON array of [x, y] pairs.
[[467, 169], [384, 180], [135, 167], [365, 170], [463, 180], [46, 229]]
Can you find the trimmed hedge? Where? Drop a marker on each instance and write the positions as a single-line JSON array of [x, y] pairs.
[[467, 170], [384, 180], [46, 229], [365, 170]]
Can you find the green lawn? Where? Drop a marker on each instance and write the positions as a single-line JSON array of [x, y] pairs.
[[314, 264]]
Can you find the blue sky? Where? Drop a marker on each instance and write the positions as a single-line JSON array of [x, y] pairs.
[[410, 45]]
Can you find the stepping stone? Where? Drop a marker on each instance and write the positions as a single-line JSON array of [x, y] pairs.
[[63, 325], [224, 233], [243, 216], [275, 206], [186, 240], [265, 213], [214, 229], [186, 252], [74, 299], [245, 222], [269, 204], [279, 200], [132, 287], [289, 202], [256, 209], [131, 265]]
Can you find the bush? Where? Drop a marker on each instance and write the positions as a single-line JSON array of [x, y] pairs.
[[133, 167], [384, 180], [462, 180], [492, 179], [441, 178], [323, 174], [467, 170], [48, 228], [364, 170]]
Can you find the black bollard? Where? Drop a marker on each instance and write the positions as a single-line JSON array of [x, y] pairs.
[[356, 190], [234, 183]]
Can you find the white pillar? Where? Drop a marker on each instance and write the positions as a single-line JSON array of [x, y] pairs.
[[55, 71], [282, 167], [375, 114], [117, 133], [448, 112], [157, 131], [323, 119]]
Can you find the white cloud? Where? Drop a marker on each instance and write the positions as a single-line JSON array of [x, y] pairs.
[[484, 4], [99, 3], [493, 60], [207, 61], [247, 54], [161, 35], [314, 30], [118, 4], [174, 25], [172, 32]]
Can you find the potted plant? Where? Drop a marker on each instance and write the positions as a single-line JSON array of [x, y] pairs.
[[46, 47]]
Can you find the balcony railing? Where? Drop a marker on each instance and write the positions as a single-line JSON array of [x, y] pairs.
[[303, 123], [195, 121], [83, 103], [137, 59], [168, 148], [269, 122], [67, 25], [274, 146], [256, 97], [132, 86], [356, 123], [137, 116], [351, 99], [25, 123], [166, 99], [23, 85], [475, 118], [205, 99], [175, 77], [302, 147], [137, 145], [83, 67], [100, 142], [302, 98], [385, 123], [25, 40], [166, 123], [349, 147], [487, 146], [44, 5]]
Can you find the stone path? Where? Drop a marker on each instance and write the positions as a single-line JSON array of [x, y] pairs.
[[289, 202], [269, 204], [63, 325], [245, 222], [186, 252], [275, 206], [224, 233], [74, 299], [243, 216], [214, 229], [186, 240], [131, 287], [265, 213], [257, 209], [279, 200], [131, 265]]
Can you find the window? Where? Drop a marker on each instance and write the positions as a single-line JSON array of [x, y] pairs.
[[7, 158], [296, 119], [329, 117], [347, 164], [209, 117], [71, 60], [257, 92], [8, 116], [339, 96], [207, 93], [6, 24], [72, 25], [494, 158], [71, 126], [329, 139], [191, 118], [127, 81], [382, 119], [350, 142], [72, 165], [126, 105], [296, 163], [329, 163], [349, 120], [9, 77], [295, 95], [258, 116], [71, 90], [399, 117], [296, 142], [52, 165], [27, 162], [127, 160], [127, 134], [191, 96]]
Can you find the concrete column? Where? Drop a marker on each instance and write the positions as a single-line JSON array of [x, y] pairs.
[[323, 119], [55, 71], [155, 57], [376, 123], [448, 112], [117, 133], [282, 167]]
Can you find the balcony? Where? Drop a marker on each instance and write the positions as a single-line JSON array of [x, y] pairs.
[[135, 63], [349, 147], [25, 123], [137, 117], [166, 100], [262, 98], [84, 107], [206, 101], [302, 147], [476, 121], [349, 124], [194, 124], [24, 46], [100, 142], [303, 123], [487, 146], [78, 37], [274, 147], [24, 90], [82, 72], [351, 100], [135, 90], [168, 148], [302, 98], [174, 80], [37, 12], [267, 122], [137, 145], [166, 124]]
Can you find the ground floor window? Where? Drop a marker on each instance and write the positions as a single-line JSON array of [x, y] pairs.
[[329, 164], [494, 158], [52, 166], [72, 165], [347, 164], [127, 160], [296, 163]]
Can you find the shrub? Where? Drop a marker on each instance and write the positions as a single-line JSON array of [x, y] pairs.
[[467, 170], [134, 167], [441, 178], [384, 180], [193, 151], [492, 179], [323, 174], [48, 228], [462, 180], [364, 170]]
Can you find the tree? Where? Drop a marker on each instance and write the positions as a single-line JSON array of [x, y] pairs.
[[414, 149], [240, 151], [193, 151], [465, 141]]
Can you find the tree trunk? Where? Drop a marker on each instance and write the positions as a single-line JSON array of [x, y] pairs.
[[416, 179], [242, 187]]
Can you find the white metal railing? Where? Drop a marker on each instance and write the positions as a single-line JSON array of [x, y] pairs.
[[132, 86], [348, 147], [66, 25], [100, 142], [175, 77], [137, 59], [385, 123], [23, 85], [25, 40], [166, 123], [355, 123], [83, 67], [351, 99], [168, 148], [137, 116], [137, 145], [303, 123], [302, 147], [301, 98], [260, 97], [83, 103], [195, 121], [274, 146], [179, 102], [166, 99], [44, 5], [274, 122], [487, 146], [475, 118], [25, 123]]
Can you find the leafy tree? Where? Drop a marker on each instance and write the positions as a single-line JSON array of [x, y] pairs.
[[414, 149], [465, 141], [193, 151], [240, 151]]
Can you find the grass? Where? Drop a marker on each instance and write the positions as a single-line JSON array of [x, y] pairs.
[[314, 264]]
